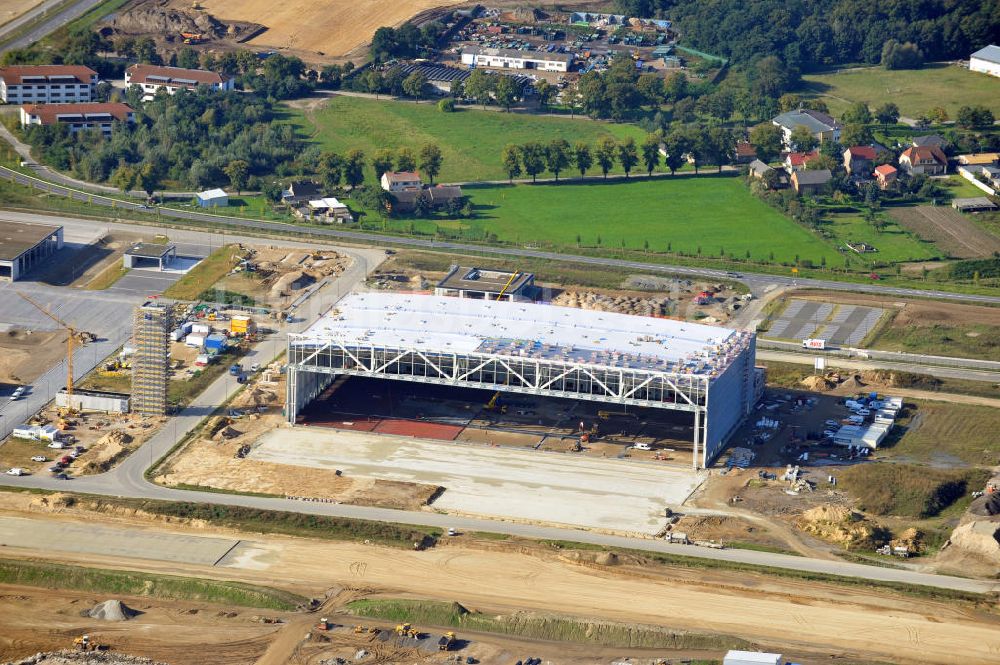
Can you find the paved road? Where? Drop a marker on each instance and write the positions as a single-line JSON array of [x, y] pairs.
[[127, 479], [854, 363], [58, 19], [758, 283]]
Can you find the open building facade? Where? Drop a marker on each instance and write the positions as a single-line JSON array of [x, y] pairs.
[[705, 371]]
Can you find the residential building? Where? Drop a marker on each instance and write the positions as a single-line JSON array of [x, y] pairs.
[[25, 246], [770, 176], [810, 182], [152, 78], [328, 208], [78, 117], [212, 198], [47, 84], [300, 192], [986, 60], [744, 153], [820, 125], [437, 198], [929, 140], [486, 284], [398, 181], [152, 324], [886, 176], [859, 160], [797, 161], [927, 160], [508, 58]]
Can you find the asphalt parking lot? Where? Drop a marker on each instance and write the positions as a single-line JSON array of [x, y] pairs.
[[151, 281], [839, 325]]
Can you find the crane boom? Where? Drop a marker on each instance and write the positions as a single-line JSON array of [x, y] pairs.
[[70, 340]]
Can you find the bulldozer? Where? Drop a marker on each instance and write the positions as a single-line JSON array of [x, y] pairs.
[[84, 643], [403, 628], [446, 641]]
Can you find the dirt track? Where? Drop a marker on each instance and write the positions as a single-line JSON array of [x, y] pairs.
[[815, 617]]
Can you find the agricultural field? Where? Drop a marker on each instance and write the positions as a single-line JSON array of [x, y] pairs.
[[14, 8], [318, 27], [471, 141], [954, 233], [947, 435], [915, 91], [894, 243], [684, 213]]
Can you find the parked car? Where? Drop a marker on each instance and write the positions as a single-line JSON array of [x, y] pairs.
[[452, 531], [61, 476], [18, 392], [863, 412], [39, 458], [58, 445], [831, 423], [642, 446], [254, 367], [16, 471], [829, 433]]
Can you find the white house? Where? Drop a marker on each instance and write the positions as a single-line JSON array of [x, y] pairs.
[[45, 84], [508, 58], [986, 60], [212, 198], [399, 181], [819, 124], [330, 208], [151, 78], [78, 116]]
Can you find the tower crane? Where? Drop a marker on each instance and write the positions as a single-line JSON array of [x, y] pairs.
[[75, 337]]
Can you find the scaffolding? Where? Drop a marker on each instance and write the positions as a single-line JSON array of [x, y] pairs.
[[150, 364]]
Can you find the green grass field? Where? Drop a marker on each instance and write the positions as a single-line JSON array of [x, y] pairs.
[[684, 213], [470, 140], [894, 244], [914, 91], [948, 435]]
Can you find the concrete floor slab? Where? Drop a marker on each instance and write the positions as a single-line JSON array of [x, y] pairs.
[[612, 494], [113, 541]]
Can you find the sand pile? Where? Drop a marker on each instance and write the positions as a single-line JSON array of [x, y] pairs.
[[112, 610], [817, 383], [109, 448], [843, 526], [912, 539], [226, 433], [980, 538], [853, 382], [53, 502], [599, 302]]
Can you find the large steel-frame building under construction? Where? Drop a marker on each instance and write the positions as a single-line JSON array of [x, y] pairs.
[[535, 349]]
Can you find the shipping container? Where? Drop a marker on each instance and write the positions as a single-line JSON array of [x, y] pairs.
[[201, 360], [215, 342], [201, 328], [197, 341]]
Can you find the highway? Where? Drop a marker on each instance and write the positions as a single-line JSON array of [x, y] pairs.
[[54, 17], [757, 282], [128, 480], [861, 364]]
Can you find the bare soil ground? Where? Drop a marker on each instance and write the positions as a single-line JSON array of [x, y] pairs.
[[952, 231], [499, 576], [25, 355], [14, 8], [281, 274]]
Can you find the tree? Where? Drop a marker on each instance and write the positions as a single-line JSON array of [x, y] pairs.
[[414, 85], [151, 175], [354, 168], [766, 141], [675, 145], [606, 150], [533, 157], [238, 172], [507, 91], [405, 161], [939, 114], [479, 86], [771, 77], [557, 156], [545, 92], [651, 153], [582, 157], [187, 58], [887, 114], [372, 82], [717, 146], [858, 114], [124, 178], [676, 87], [803, 140], [789, 102], [901, 56], [511, 159], [430, 160], [447, 105], [331, 169], [973, 117], [650, 86], [855, 134], [382, 162]]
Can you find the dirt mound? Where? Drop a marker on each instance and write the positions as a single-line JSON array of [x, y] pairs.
[[980, 538], [112, 610], [151, 19], [76, 657], [817, 383], [843, 526], [53, 502], [108, 450], [599, 302], [853, 382], [225, 433], [912, 539]]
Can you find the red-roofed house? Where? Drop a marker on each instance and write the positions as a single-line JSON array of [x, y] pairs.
[[885, 175], [744, 153], [41, 84], [928, 160], [151, 78], [859, 159], [77, 116], [796, 161], [399, 181]]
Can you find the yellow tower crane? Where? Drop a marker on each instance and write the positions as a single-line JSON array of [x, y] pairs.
[[75, 337]]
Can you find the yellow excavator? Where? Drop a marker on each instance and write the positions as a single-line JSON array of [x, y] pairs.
[[494, 402]]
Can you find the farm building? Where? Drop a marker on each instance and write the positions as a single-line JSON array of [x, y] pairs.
[[40, 84], [24, 246], [986, 60], [514, 347], [482, 283], [153, 78], [78, 116], [507, 58], [212, 198], [811, 182], [440, 78], [975, 204], [144, 255]]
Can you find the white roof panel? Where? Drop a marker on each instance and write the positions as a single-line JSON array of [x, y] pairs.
[[212, 194], [459, 325]]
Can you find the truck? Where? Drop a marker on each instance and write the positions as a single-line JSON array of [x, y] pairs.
[[235, 369], [815, 344]]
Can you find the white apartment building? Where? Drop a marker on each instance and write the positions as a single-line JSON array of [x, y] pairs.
[[151, 78], [78, 117], [47, 84]]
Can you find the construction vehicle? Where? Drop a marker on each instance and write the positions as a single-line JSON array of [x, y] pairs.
[[360, 629], [192, 37], [495, 405], [324, 624], [446, 641], [403, 628], [84, 643], [75, 337], [604, 415]]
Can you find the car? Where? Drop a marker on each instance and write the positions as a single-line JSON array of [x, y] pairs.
[[863, 412], [254, 367], [16, 471], [39, 458], [831, 423], [55, 468], [829, 433], [390, 252], [452, 531], [18, 392], [734, 274], [60, 476], [58, 445], [642, 446]]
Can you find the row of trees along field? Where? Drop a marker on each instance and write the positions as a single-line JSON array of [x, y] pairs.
[[703, 145]]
